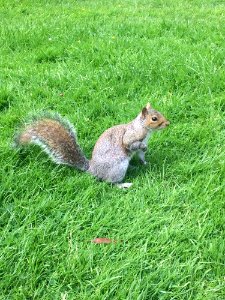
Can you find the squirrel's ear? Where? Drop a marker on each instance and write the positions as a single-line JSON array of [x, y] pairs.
[[144, 112], [148, 106]]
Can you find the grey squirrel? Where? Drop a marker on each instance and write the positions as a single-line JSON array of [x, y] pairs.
[[112, 152]]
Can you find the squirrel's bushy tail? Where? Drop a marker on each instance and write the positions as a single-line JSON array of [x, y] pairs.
[[57, 137]]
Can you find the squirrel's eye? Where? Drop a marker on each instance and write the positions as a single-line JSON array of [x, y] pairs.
[[154, 118]]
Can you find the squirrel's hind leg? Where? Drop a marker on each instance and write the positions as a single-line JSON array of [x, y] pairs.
[[112, 171], [122, 167]]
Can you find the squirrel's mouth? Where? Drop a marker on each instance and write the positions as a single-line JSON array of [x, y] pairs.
[[163, 125]]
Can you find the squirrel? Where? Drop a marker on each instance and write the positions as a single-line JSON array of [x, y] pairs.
[[112, 152]]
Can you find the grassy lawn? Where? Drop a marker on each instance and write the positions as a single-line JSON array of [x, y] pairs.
[[98, 63]]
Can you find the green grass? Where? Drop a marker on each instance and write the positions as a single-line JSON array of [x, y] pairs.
[[98, 63]]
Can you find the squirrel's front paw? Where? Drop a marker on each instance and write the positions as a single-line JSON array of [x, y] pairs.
[[143, 147]]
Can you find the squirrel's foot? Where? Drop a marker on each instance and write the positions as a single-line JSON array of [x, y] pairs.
[[124, 185], [143, 147]]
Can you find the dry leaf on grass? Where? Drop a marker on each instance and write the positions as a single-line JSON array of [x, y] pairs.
[[103, 241]]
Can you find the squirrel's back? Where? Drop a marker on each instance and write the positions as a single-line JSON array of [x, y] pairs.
[[110, 142], [57, 138]]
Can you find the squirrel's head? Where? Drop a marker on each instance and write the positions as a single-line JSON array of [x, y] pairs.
[[153, 119]]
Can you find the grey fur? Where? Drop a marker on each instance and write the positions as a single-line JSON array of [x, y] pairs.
[[112, 152]]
